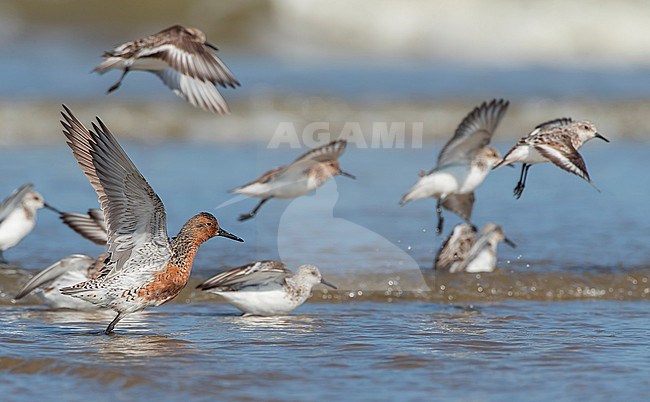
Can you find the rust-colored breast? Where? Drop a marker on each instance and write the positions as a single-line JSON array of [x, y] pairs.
[[166, 284]]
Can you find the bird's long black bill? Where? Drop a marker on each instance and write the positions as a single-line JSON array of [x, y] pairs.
[[346, 174], [229, 235], [51, 208], [324, 282], [510, 243], [211, 46], [601, 137]]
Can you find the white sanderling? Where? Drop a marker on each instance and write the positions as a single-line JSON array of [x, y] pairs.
[[145, 267], [182, 59], [299, 178], [463, 163], [465, 252], [73, 269], [67, 271], [556, 141], [265, 287], [18, 216]]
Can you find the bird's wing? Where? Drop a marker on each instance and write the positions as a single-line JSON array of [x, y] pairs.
[[565, 156], [74, 262], [254, 274], [188, 55], [13, 200], [460, 204], [202, 94], [473, 133], [90, 226], [135, 215], [456, 246], [327, 152], [555, 123]]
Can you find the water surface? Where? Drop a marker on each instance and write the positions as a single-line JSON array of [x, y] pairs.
[[565, 317]]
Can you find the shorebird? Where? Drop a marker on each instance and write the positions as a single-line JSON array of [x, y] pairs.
[[182, 59], [67, 271], [556, 141], [265, 287], [18, 216], [463, 163], [73, 269], [144, 268], [299, 178], [464, 251]]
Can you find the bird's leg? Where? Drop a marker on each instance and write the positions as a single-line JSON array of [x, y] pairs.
[[118, 83], [2, 258], [441, 220], [521, 184], [251, 214], [111, 326]]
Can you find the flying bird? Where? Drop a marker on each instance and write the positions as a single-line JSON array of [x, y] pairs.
[[183, 59], [556, 141], [299, 178], [463, 163], [144, 267]]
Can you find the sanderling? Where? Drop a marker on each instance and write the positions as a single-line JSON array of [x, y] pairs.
[[464, 251], [301, 177], [91, 225], [73, 269], [67, 271], [182, 59], [145, 267], [556, 141], [463, 163], [18, 216], [265, 287]]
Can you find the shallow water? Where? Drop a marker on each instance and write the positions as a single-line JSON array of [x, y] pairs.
[[371, 351], [565, 317]]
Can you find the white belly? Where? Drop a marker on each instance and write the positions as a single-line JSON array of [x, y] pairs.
[[473, 180], [291, 184], [439, 183], [526, 154], [484, 262], [293, 188], [271, 302], [14, 228]]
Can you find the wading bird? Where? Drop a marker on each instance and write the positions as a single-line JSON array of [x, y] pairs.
[[144, 268]]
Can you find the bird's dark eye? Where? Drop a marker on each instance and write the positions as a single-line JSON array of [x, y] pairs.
[[209, 223], [585, 127]]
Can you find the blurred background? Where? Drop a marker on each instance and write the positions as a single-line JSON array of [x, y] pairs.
[[307, 60], [361, 62]]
